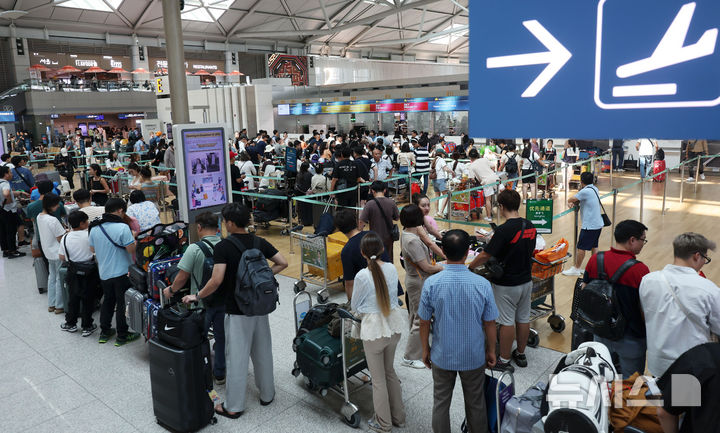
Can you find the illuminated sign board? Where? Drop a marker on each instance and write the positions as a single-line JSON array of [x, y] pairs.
[[7, 116], [450, 103], [131, 116], [91, 117]]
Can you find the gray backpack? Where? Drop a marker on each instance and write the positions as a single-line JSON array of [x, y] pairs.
[[256, 289]]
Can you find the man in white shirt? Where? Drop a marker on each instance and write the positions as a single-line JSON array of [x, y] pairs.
[[482, 171], [380, 167], [646, 149], [82, 199], [681, 307]]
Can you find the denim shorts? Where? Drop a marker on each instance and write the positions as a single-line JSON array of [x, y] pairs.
[[440, 185]]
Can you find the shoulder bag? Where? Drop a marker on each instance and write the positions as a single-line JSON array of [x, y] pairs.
[[711, 337], [433, 172], [495, 267], [392, 228], [81, 269], [605, 218]]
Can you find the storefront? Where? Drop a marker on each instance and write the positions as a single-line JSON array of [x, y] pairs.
[[443, 115]]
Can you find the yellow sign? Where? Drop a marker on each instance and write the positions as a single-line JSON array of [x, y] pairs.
[[160, 89]]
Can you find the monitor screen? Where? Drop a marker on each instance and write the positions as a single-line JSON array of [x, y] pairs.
[[205, 167], [283, 109]]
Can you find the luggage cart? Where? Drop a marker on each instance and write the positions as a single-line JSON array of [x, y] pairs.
[[462, 204], [353, 358], [544, 286], [313, 255]]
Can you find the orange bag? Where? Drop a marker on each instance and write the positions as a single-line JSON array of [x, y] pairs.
[[643, 417], [557, 251]]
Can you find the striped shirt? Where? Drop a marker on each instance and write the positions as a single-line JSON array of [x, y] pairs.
[[460, 301], [422, 159]]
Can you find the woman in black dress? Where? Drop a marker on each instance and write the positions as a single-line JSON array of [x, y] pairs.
[[99, 188]]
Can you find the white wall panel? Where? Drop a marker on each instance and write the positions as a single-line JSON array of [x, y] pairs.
[[336, 70]]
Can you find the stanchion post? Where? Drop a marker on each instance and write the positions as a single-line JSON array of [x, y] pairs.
[[697, 172], [642, 199], [566, 182], [682, 181], [611, 173], [290, 224], [448, 205], [575, 238], [409, 186], [667, 179], [612, 234]]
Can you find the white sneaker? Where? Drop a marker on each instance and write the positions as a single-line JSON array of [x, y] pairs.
[[702, 177], [488, 219], [412, 364], [572, 272], [690, 179]]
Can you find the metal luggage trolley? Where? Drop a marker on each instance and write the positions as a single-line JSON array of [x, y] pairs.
[[353, 356], [463, 203], [543, 285], [313, 254]]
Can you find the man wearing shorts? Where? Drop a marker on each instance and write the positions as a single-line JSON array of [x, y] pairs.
[[481, 170], [512, 246], [588, 198]]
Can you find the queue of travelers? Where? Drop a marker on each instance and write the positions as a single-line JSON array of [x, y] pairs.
[[668, 312]]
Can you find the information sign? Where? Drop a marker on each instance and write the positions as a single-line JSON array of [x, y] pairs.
[[540, 213]]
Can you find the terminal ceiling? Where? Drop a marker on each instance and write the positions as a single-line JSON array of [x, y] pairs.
[[425, 28]]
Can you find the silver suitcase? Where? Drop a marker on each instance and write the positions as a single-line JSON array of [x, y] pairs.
[[134, 304], [523, 411], [41, 273]]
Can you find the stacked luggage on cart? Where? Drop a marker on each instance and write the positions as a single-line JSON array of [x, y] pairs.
[[180, 358]]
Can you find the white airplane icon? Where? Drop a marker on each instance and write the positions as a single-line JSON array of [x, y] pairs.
[[671, 50]]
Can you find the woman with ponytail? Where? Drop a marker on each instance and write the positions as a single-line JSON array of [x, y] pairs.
[[382, 324]]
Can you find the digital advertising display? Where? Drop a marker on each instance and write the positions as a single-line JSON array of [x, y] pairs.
[[440, 104], [205, 168]]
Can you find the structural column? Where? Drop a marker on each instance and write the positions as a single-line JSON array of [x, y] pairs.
[[20, 59], [176, 62]]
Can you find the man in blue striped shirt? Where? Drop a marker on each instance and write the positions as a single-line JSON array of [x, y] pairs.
[[464, 334]]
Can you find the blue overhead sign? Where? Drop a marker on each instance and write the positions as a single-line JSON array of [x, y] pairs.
[[595, 69]]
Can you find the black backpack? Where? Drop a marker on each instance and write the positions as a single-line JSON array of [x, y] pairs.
[[319, 315], [597, 303], [256, 289], [208, 250], [511, 166]]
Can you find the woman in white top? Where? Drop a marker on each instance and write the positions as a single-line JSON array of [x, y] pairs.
[[382, 324], [50, 231], [442, 171], [529, 159], [458, 168], [135, 178], [112, 163], [405, 159], [247, 170]]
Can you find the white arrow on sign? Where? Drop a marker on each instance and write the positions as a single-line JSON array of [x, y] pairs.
[[539, 222], [556, 57]]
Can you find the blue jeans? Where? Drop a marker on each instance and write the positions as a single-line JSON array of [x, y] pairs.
[[618, 157], [215, 316], [426, 182], [55, 292], [645, 166], [630, 351]]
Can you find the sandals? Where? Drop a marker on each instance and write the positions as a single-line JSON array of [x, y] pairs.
[[224, 412]]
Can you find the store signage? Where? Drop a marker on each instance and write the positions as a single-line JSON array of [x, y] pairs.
[[85, 63], [566, 69], [54, 116], [131, 116], [91, 117], [451, 103], [7, 116], [540, 213], [206, 67]]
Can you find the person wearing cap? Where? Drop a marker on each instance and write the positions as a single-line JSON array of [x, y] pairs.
[[65, 165], [441, 170]]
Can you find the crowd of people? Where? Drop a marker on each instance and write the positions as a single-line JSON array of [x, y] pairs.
[[666, 312]]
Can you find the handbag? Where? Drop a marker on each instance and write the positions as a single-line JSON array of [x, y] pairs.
[[392, 228], [433, 172], [80, 269], [605, 218]]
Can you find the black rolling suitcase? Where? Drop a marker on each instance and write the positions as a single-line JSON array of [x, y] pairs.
[[180, 380], [580, 333]]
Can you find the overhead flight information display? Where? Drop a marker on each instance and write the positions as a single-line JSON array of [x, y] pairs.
[[446, 103]]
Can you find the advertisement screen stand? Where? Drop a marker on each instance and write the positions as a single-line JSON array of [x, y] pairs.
[[202, 169]]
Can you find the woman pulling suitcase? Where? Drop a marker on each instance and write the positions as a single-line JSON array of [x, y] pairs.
[[382, 324]]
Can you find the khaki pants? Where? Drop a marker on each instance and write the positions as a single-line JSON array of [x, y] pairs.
[[473, 385], [387, 395], [413, 349]]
